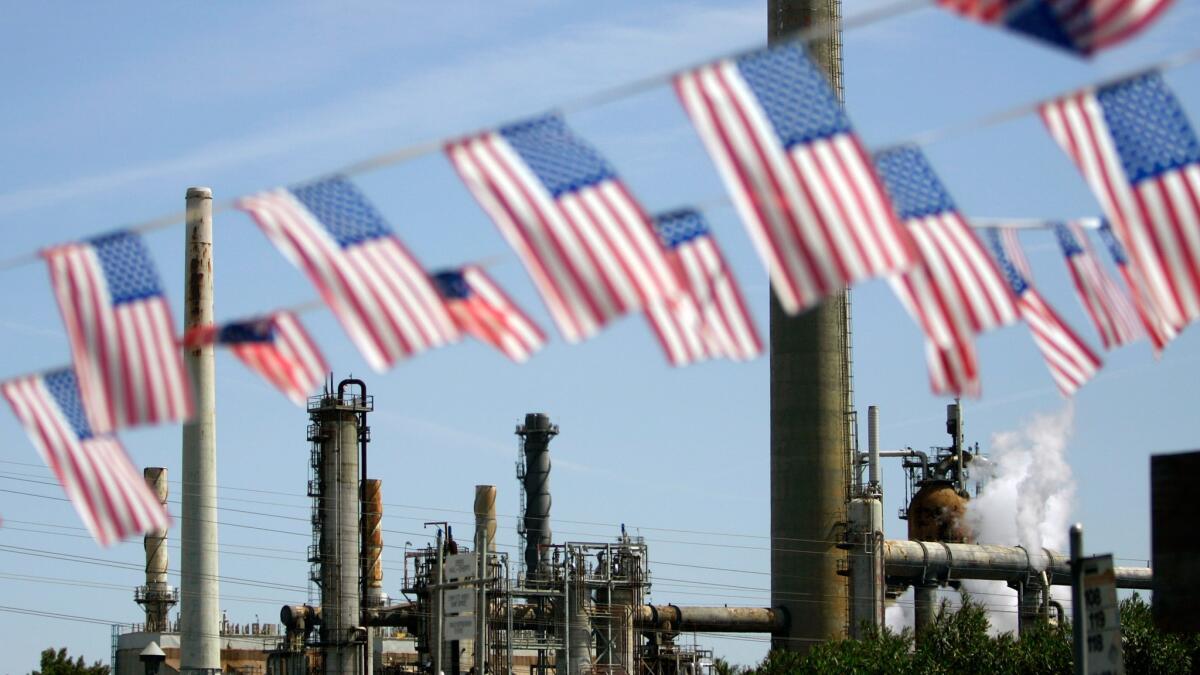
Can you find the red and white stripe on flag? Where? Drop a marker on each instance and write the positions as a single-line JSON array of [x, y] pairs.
[[1081, 26], [373, 284], [122, 336], [1070, 360], [292, 361], [955, 290], [797, 173], [710, 320], [1109, 308], [584, 239], [108, 493], [1133, 144], [493, 318], [275, 346], [1157, 328], [1072, 363]]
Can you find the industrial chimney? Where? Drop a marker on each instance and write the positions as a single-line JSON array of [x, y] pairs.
[[535, 436], [338, 431], [157, 597], [372, 543]]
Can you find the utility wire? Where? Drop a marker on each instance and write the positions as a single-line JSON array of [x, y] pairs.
[[609, 95]]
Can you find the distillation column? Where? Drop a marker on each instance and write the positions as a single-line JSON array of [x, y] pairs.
[[156, 596], [336, 428], [536, 434], [810, 391]]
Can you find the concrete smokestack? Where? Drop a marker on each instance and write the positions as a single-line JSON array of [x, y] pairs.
[[536, 434], [810, 394], [156, 597], [200, 611], [372, 542], [485, 513]]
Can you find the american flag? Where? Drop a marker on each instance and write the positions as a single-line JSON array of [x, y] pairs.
[[122, 337], [955, 290], [1109, 308], [585, 240], [799, 176], [375, 287], [1134, 146], [1158, 329], [482, 309], [1071, 362], [1080, 26], [276, 347], [109, 494], [711, 319]]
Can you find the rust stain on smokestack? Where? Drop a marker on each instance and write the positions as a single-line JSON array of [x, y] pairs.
[[485, 510], [372, 538]]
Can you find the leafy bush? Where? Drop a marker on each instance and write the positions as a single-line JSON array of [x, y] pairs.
[[958, 643], [58, 663]]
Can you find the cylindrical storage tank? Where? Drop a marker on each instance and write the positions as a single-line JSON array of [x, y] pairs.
[[339, 540], [372, 541], [938, 513], [537, 432], [866, 564]]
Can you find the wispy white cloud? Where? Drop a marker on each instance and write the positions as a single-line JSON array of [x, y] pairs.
[[477, 89]]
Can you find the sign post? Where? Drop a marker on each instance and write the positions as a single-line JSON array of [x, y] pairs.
[[1102, 617]]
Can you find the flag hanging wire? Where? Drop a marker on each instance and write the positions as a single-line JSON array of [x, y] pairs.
[[413, 151]]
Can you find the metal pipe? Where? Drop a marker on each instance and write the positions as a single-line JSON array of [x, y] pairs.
[[485, 520], [710, 619], [438, 608], [909, 452], [924, 608], [1077, 634], [873, 446], [200, 610], [916, 561]]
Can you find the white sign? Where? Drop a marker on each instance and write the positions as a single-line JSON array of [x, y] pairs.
[[460, 627], [459, 600], [1101, 617], [461, 566]]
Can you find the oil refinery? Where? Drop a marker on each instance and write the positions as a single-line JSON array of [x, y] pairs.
[[573, 607]]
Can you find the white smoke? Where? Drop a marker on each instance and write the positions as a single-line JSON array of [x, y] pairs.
[[1027, 498], [898, 614]]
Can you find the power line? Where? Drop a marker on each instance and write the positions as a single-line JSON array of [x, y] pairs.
[[626, 90]]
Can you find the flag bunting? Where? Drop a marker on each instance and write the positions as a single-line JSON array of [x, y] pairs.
[[101, 482], [122, 337], [374, 286], [1071, 362], [586, 242], [482, 309], [276, 346]]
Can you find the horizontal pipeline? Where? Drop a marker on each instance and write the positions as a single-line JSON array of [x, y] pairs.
[[933, 562]]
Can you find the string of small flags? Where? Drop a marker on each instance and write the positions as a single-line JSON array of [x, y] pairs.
[[822, 212]]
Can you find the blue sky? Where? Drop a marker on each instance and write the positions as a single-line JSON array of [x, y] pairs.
[[112, 112]]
